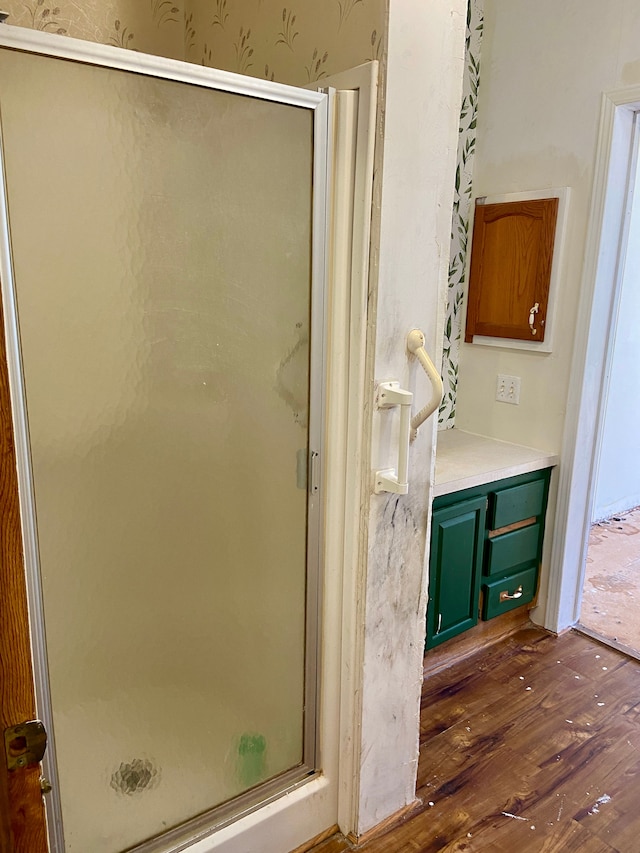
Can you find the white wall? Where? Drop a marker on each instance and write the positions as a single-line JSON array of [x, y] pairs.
[[618, 478], [424, 85], [545, 66]]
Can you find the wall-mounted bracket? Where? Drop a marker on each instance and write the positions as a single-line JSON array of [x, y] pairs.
[[390, 394]]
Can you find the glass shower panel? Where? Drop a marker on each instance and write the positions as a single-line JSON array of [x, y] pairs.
[[161, 242]]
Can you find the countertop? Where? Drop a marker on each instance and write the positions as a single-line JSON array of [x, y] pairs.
[[464, 460]]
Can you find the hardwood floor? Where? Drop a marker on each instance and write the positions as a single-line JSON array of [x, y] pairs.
[[532, 746]]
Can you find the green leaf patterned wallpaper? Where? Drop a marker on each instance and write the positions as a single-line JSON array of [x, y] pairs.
[[296, 43], [461, 213]]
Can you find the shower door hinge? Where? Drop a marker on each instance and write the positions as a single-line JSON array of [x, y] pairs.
[[25, 744]]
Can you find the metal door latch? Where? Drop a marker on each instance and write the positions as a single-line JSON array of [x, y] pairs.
[[25, 744]]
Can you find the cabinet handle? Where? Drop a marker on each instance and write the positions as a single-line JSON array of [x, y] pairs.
[[439, 623], [532, 317], [506, 596]]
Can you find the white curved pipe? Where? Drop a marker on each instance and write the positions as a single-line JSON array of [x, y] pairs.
[[415, 345]]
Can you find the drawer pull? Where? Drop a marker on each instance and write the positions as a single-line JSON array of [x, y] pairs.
[[506, 596]]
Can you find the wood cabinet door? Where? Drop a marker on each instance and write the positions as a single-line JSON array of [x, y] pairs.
[[511, 258], [22, 819], [457, 540]]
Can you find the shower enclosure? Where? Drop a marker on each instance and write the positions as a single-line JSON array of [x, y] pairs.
[[163, 286]]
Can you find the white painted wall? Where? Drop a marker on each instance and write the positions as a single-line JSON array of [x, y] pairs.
[[618, 478], [544, 68], [424, 85]]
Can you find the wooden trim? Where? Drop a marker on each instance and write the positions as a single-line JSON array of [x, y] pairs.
[[483, 635], [509, 528], [5, 818], [318, 839], [385, 825], [22, 821]]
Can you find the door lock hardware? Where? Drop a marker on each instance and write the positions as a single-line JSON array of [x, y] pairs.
[[25, 744]]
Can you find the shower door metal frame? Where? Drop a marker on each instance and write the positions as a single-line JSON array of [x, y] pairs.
[[32, 41]]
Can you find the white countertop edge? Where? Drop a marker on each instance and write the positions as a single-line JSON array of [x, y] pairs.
[[447, 488], [475, 455]]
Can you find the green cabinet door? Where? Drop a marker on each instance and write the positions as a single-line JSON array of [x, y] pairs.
[[455, 567]]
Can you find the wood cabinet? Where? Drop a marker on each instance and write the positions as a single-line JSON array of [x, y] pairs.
[[510, 274], [486, 546]]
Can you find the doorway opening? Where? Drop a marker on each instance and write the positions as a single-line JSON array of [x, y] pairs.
[[598, 445], [610, 608]]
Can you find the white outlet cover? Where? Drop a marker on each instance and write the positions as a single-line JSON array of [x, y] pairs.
[[508, 389]]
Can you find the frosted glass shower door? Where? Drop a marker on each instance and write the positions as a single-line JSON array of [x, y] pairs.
[[161, 259]]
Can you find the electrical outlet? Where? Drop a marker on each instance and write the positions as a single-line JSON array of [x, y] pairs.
[[508, 389]]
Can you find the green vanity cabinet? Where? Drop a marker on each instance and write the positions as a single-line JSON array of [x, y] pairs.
[[486, 547], [457, 543]]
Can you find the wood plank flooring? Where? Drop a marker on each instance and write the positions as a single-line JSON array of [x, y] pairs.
[[532, 746]]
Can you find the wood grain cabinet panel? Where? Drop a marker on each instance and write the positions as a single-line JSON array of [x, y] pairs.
[[511, 259]]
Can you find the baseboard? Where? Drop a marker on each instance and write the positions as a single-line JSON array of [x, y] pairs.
[[480, 636], [318, 839], [385, 825]]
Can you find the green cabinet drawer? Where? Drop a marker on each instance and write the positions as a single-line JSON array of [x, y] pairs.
[[517, 503], [512, 550], [507, 593]]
